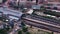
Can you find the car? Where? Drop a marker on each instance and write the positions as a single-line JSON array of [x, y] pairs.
[[55, 8], [1, 13], [4, 18]]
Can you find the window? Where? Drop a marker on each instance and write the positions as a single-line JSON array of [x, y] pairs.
[[48, 4], [59, 0], [4, 1], [50, 0], [58, 4], [55, 8], [29, 0]]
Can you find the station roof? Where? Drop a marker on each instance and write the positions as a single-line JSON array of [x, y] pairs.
[[10, 11], [35, 6]]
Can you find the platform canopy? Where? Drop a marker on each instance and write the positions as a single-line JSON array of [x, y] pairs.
[[12, 13]]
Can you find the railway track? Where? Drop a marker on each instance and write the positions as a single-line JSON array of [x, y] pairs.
[[42, 24]]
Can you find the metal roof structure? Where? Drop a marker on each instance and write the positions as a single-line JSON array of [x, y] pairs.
[[13, 14], [35, 6], [10, 11]]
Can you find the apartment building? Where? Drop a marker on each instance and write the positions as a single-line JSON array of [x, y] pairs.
[[53, 0]]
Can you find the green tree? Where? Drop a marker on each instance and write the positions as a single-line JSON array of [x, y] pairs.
[[42, 8], [27, 32], [52, 33], [20, 32], [24, 29], [23, 24], [3, 31], [7, 28]]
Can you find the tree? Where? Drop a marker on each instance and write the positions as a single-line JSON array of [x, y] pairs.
[[24, 29], [52, 33], [23, 24], [27, 32], [3, 31], [42, 8], [20, 32], [54, 13], [31, 26], [7, 28]]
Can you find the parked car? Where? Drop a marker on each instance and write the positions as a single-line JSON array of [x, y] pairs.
[[4, 18]]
